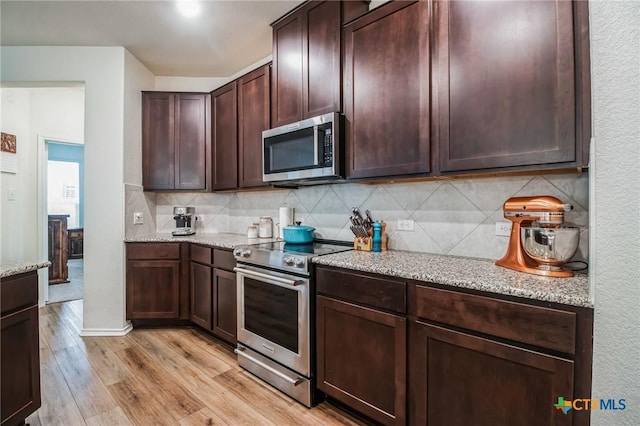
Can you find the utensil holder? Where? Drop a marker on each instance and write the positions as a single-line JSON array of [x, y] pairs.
[[366, 244]]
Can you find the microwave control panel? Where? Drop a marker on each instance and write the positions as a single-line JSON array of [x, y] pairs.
[[327, 158]]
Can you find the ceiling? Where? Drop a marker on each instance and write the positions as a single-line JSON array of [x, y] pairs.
[[226, 37]]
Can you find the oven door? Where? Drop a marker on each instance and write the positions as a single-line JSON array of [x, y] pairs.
[[273, 316]]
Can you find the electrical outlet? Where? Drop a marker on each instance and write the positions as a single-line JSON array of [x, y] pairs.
[[138, 218], [405, 225], [503, 229]]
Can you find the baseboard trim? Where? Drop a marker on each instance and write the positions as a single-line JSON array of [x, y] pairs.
[[94, 332]]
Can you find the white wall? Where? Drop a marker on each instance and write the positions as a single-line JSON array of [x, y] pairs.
[[101, 69], [615, 60]]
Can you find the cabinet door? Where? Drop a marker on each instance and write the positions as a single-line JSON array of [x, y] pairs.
[[362, 359], [201, 294], [506, 84], [158, 140], [20, 365], [386, 84], [153, 289], [254, 109], [322, 87], [458, 379], [286, 105], [225, 137], [192, 166], [224, 305]]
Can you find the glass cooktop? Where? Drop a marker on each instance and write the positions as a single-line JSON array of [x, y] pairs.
[[314, 248]]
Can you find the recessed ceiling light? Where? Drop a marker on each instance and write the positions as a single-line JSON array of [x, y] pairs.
[[188, 8]]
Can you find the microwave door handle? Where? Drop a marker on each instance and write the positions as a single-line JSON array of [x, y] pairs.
[[315, 145]]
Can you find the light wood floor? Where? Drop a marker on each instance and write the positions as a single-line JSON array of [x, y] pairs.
[[154, 377]]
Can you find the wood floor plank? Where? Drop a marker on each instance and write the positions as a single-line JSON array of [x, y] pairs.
[[169, 359], [220, 400], [104, 361], [115, 417], [175, 398], [57, 335], [204, 417], [201, 356], [139, 404], [90, 394], [58, 405]]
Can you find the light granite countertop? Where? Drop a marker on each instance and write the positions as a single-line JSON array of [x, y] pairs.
[[463, 272], [14, 268], [222, 240], [454, 271]]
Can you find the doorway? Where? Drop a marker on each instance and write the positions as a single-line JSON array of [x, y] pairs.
[[65, 217]]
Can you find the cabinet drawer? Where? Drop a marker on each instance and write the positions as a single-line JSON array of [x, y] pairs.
[[201, 254], [18, 291], [224, 259], [535, 325], [371, 291], [153, 251]]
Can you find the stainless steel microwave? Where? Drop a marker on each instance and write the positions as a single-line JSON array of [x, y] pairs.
[[304, 153]]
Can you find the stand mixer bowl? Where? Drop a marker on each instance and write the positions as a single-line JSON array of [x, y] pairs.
[[551, 247]]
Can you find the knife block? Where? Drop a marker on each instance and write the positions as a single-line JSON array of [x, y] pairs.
[[366, 244]]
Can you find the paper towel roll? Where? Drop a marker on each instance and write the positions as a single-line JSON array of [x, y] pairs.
[[286, 219]]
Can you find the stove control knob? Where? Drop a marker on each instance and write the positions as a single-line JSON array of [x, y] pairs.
[[299, 263], [245, 253], [237, 252], [289, 261]]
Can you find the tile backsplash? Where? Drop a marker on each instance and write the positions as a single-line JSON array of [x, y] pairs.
[[454, 216]]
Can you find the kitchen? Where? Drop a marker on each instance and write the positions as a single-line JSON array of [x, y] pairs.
[[104, 302]]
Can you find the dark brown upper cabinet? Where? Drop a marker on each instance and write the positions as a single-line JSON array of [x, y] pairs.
[[386, 91], [240, 112], [253, 117], [512, 84], [175, 141], [306, 60], [224, 142]]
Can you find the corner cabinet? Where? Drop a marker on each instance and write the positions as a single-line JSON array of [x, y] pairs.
[[307, 60], [240, 112], [386, 91], [20, 358], [157, 281], [512, 84], [176, 147]]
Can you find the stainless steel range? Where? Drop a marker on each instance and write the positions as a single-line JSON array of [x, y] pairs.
[[275, 312]]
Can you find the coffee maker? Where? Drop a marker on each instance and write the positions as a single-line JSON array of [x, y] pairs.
[[182, 216]]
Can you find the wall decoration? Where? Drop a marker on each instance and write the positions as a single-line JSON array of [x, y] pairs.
[[8, 142], [8, 157]]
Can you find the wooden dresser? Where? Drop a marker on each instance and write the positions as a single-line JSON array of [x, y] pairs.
[[58, 249]]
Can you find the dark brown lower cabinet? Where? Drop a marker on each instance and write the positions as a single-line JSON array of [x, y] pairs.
[[20, 356], [224, 305], [460, 379], [362, 359], [153, 289], [201, 294], [213, 291]]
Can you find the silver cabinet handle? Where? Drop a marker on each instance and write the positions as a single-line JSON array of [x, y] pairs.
[[294, 382], [316, 160], [291, 283]]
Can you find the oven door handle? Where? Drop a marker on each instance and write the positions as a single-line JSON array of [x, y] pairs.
[[294, 382], [290, 283]]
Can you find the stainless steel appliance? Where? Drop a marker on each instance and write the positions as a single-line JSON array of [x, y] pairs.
[[276, 311], [304, 153], [182, 216]]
